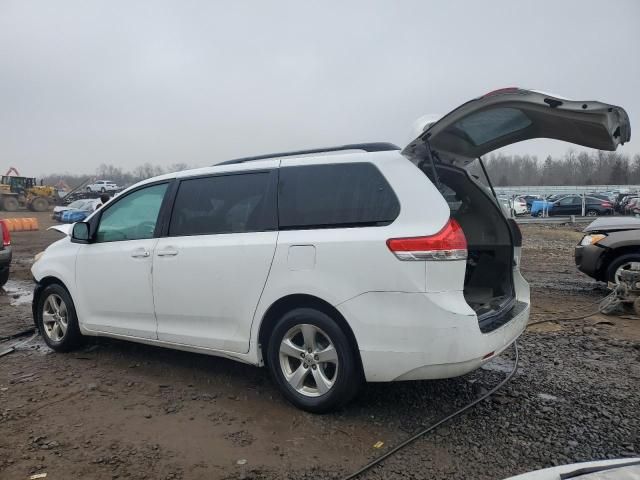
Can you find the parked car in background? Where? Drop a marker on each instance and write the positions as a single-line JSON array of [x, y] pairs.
[[529, 199], [512, 206], [329, 269], [5, 253], [626, 201], [617, 204], [519, 206], [609, 246], [75, 215], [89, 204], [572, 205], [102, 186], [632, 207]]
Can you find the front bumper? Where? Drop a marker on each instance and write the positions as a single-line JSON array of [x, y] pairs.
[[588, 259]]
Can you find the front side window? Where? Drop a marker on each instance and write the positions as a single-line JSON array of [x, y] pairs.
[[224, 204], [133, 217], [334, 196]]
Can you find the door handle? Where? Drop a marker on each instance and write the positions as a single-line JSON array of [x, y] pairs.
[[169, 252], [140, 254]]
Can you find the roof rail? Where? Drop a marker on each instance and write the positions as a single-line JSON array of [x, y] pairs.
[[367, 147]]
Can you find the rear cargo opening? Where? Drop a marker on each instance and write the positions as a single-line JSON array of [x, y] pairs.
[[488, 284]]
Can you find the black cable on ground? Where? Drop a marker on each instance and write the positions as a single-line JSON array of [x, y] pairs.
[[423, 432], [18, 335]]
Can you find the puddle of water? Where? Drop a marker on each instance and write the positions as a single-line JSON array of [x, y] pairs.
[[19, 292], [547, 396], [499, 364]]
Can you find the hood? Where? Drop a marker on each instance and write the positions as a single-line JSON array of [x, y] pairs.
[[613, 224], [66, 228]]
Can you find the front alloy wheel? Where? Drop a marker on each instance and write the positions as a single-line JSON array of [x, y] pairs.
[[54, 317]]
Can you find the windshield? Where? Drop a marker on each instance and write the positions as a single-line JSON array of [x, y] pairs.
[[77, 204]]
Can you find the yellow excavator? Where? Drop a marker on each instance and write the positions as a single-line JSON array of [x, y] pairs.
[[17, 191]]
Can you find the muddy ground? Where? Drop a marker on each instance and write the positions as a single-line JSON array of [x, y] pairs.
[[120, 410]]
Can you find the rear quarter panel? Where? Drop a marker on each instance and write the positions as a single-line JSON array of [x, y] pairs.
[[348, 262]]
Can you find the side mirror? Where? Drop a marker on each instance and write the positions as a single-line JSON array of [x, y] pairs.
[[80, 233]]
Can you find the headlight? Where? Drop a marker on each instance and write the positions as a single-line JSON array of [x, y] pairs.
[[37, 257], [591, 239]]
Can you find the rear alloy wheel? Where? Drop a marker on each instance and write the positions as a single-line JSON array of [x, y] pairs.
[[592, 213], [309, 360], [312, 361], [57, 320]]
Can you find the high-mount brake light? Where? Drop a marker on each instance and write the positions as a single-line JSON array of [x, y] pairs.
[[500, 91], [448, 244]]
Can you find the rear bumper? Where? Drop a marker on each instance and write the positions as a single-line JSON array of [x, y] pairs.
[[588, 259], [419, 336]]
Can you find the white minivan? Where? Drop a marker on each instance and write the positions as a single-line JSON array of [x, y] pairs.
[[329, 266]]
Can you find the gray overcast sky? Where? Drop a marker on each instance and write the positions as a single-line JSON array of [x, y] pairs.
[[86, 82]]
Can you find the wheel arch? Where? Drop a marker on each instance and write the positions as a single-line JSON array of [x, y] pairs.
[[288, 303], [40, 286], [612, 254]]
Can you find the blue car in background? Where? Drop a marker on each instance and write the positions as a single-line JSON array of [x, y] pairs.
[[72, 216], [539, 205]]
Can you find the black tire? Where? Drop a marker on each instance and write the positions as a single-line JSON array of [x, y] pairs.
[[4, 276], [103, 190], [592, 213], [39, 204], [72, 337], [10, 204], [89, 189], [348, 376], [617, 262]]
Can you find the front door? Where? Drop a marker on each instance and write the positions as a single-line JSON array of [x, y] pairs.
[[113, 272], [210, 270]]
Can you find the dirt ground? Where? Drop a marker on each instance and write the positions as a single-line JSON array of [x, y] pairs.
[[121, 410]]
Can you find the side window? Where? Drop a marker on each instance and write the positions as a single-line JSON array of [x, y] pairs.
[[132, 217], [224, 204], [566, 201], [336, 195]]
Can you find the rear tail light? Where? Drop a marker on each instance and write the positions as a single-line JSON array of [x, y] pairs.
[[448, 244], [6, 235], [607, 205]]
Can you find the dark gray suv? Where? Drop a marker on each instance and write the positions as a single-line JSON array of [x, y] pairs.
[[609, 246]]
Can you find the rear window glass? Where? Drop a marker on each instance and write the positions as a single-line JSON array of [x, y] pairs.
[[224, 204], [485, 126], [336, 195]]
